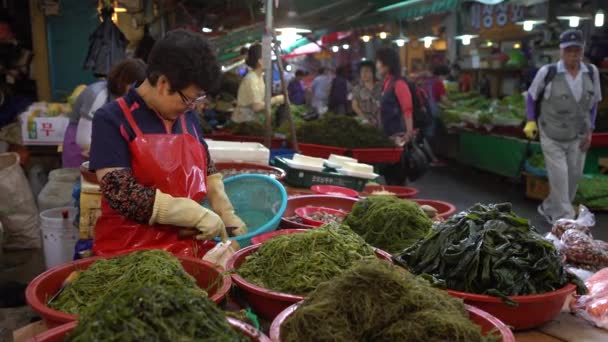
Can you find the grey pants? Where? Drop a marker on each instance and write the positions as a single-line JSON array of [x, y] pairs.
[[564, 162]]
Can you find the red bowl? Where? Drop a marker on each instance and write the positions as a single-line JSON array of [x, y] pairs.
[[59, 333], [333, 190], [533, 310], [333, 202], [89, 176], [271, 171], [486, 321], [399, 191], [444, 209], [48, 283], [267, 236], [264, 302], [305, 212]]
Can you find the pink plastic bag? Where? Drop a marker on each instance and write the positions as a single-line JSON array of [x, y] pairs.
[[593, 307]]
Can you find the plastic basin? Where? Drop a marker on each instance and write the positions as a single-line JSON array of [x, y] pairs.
[[59, 333], [271, 171], [321, 151], [259, 201], [486, 321], [532, 311], [444, 209], [333, 190], [305, 214], [48, 283], [267, 236], [399, 191], [293, 203], [264, 302]]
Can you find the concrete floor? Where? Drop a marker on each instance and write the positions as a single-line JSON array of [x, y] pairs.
[[459, 185]]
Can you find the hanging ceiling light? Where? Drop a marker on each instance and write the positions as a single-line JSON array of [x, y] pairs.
[[489, 43], [528, 24], [365, 38], [206, 30], [335, 48], [466, 38], [573, 20], [517, 46], [401, 41], [288, 67], [599, 18], [345, 46], [428, 41], [383, 35]]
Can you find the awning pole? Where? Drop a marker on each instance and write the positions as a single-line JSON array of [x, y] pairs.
[[267, 60]]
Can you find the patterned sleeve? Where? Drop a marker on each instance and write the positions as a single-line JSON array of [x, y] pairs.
[[129, 198]]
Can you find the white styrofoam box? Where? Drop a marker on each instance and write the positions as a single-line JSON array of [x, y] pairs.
[[238, 152], [306, 160], [37, 128]]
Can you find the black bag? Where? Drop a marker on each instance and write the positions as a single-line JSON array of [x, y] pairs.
[[422, 113], [415, 162]]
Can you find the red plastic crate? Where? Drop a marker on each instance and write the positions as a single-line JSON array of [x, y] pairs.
[[599, 140], [321, 151], [378, 155]]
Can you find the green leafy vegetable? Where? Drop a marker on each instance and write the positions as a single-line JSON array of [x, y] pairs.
[[376, 301], [342, 131], [297, 263], [489, 250], [388, 223]]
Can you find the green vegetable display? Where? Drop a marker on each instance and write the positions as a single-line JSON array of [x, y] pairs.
[[473, 109], [537, 160], [388, 223], [376, 301], [155, 313], [342, 131], [488, 250], [297, 263], [118, 275], [248, 129], [593, 191]]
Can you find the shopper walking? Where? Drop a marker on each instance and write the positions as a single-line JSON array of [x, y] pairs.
[[297, 95], [338, 95], [321, 86], [366, 95], [563, 101]]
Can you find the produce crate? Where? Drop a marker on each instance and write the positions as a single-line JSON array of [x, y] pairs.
[[536, 187], [378, 155], [321, 151], [306, 179]]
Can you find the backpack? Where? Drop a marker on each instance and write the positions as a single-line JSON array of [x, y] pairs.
[[548, 78], [422, 113]]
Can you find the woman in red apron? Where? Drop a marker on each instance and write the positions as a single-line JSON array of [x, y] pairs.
[[151, 162]]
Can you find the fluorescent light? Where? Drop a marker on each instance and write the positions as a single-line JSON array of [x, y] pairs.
[[399, 5], [288, 67], [335, 48], [293, 30], [223, 68], [365, 38], [574, 21], [599, 18], [383, 35], [363, 59], [207, 30], [345, 46], [120, 10], [528, 25], [248, 45]]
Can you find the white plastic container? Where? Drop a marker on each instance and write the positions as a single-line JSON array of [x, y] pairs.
[[238, 152], [59, 235], [58, 191]]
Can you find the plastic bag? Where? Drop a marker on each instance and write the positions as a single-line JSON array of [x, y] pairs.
[[583, 222], [593, 307], [220, 254]]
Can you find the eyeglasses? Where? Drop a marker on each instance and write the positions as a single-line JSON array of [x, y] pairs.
[[191, 103]]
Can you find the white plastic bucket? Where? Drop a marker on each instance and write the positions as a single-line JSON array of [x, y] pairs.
[[59, 236]]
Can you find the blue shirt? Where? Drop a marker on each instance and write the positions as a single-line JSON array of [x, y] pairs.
[[110, 149]]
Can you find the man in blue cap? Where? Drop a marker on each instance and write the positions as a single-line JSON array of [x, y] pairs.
[[562, 106]]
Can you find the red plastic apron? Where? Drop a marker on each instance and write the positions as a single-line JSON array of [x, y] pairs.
[[176, 164]]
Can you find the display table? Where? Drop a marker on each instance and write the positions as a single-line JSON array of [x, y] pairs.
[[504, 155]]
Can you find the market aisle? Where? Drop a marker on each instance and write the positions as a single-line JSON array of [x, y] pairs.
[[464, 186]]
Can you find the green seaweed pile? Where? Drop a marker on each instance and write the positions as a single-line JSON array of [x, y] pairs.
[[489, 250], [155, 313], [342, 131], [388, 223], [120, 274], [247, 129], [298, 263], [376, 301]]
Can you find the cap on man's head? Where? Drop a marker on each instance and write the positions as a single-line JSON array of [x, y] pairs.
[[571, 38]]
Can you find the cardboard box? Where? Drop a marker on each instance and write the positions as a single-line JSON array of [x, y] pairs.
[[38, 127]]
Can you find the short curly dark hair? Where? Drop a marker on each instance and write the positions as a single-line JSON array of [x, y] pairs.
[[127, 72], [185, 58], [390, 58]]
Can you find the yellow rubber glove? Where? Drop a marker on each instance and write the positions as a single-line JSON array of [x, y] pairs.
[[184, 212], [221, 204], [531, 130]]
